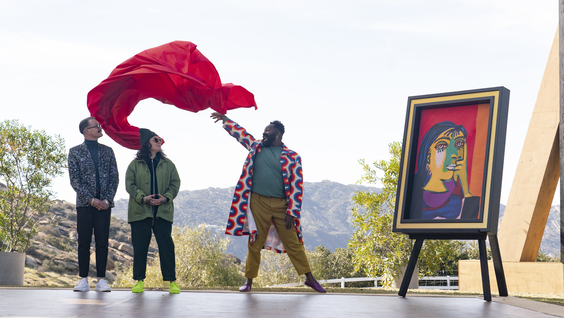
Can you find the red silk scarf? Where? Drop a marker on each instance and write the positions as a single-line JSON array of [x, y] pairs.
[[175, 73]]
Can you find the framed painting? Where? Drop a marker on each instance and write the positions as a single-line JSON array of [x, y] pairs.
[[452, 162]]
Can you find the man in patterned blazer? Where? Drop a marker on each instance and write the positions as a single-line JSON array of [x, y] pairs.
[[267, 200], [94, 176]]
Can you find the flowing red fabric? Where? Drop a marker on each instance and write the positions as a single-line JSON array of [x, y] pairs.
[[175, 73]]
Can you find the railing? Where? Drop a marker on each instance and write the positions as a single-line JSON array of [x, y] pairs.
[[450, 280]]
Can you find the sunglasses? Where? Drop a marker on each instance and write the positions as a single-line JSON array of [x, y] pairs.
[[158, 140], [97, 126]]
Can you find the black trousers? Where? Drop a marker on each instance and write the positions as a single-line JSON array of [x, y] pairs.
[[88, 220], [141, 238]]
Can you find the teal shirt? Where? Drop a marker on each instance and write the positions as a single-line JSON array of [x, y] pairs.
[[267, 173]]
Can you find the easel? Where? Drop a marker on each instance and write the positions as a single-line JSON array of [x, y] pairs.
[[481, 237]]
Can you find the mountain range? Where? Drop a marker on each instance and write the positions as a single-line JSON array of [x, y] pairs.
[[326, 220], [326, 215]]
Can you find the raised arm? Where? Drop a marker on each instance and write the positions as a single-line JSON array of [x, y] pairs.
[[236, 131], [218, 116]]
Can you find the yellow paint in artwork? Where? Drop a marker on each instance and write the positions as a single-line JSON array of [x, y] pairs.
[[444, 156]]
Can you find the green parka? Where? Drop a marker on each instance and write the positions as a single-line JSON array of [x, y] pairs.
[[138, 185]]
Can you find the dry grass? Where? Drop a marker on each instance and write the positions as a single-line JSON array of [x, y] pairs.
[[545, 298], [33, 278]]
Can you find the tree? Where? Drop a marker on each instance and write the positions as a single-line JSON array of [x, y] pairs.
[[441, 256], [542, 257], [275, 269], [376, 248], [29, 160], [379, 251], [200, 262], [327, 265]]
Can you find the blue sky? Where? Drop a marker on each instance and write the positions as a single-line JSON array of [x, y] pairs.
[[336, 73]]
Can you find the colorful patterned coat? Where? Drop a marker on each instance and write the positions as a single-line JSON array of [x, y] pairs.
[[240, 220]]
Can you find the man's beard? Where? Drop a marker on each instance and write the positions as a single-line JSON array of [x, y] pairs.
[[267, 140]]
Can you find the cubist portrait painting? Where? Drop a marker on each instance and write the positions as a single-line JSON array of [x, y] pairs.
[[449, 173]]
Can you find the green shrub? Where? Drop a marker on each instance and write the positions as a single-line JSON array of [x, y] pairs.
[[50, 266], [200, 262]]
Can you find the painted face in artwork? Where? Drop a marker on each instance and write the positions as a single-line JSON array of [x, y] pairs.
[[446, 155]]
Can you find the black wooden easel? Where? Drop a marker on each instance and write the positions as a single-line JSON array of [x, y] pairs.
[[481, 237]]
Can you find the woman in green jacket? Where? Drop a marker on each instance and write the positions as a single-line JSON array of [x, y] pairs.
[[152, 183]]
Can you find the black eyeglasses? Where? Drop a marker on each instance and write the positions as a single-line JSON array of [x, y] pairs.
[[97, 126], [157, 139]]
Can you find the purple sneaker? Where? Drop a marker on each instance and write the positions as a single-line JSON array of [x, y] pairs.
[[245, 288], [317, 287]]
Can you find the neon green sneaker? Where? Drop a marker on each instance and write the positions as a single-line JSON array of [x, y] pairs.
[[139, 287], [174, 289]]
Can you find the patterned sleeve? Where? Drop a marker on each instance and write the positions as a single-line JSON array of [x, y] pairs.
[[114, 176], [76, 182], [239, 133], [296, 186]]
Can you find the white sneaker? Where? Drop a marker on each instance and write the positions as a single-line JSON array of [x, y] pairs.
[[82, 286], [102, 286]]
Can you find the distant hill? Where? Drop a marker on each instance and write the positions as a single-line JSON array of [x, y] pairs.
[[326, 213], [550, 243], [326, 221]]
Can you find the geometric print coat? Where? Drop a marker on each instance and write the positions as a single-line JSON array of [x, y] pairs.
[[240, 220]]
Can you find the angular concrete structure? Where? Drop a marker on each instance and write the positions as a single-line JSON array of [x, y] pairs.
[[529, 202], [521, 277]]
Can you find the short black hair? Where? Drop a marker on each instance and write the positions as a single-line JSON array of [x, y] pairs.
[[278, 125], [84, 123]]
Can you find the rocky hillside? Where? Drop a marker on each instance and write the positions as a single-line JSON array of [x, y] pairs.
[[326, 215], [54, 249], [550, 243]]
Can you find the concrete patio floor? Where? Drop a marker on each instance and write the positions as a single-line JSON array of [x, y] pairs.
[[30, 302]]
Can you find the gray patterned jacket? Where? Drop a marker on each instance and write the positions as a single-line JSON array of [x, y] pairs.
[[82, 174]]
